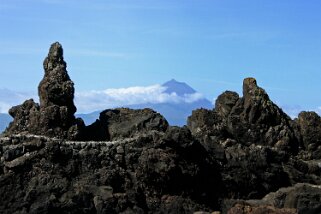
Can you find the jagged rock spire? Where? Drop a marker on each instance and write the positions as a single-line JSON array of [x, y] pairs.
[[248, 85], [253, 118], [56, 88], [55, 57], [54, 117]]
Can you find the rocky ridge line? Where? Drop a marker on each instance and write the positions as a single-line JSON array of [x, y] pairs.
[[244, 156]]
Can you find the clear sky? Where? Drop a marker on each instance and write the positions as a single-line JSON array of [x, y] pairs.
[[209, 44]]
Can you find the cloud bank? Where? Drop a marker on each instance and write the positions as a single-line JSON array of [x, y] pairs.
[[89, 101], [9, 98], [110, 98]]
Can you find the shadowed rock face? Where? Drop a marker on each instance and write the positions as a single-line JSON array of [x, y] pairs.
[[310, 129], [250, 136], [54, 116], [120, 123], [155, 172], [301, 198], [251, 119]]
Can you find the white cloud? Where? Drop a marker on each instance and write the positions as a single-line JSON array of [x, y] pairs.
[[89, 101], [109, 98], [9, 98]]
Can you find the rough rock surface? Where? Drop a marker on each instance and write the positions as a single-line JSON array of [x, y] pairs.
[[257, 144], [252, 139], [244, 208], [310, 129], [122, 123], [244, 156], [157, 172], [301, 198], [251, 119], [55, 115]]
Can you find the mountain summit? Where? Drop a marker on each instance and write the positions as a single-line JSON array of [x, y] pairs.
[[176, 113], [180, 88]]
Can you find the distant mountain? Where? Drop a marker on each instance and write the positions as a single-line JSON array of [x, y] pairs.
[[175, 113], [180, 88], [5, 119]]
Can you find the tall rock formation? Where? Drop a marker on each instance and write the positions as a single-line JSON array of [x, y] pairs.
[[251, 119], [56, 88], [54, 117], [244, 156], [250, 136]]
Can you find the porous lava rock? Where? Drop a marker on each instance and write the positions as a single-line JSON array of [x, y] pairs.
[[244, 156], [54, 116], [244, 208], [56, 88], [254, 141], [120, 123], [251, 119], [300, 198], [155, 172], [310, 129]]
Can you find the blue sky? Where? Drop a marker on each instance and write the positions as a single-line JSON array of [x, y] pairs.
[[209, 44]]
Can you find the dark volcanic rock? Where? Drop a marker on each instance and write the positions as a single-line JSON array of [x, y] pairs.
[[122, 123], [306, 198], [151, 173], [251, 119], [56, 88], [56, 94], [245, 208], [225, 102], [132, 161], [301, 198], [253, 141], [26, 117], [55, 115], [256, 119], [310, 129], [252, 172]]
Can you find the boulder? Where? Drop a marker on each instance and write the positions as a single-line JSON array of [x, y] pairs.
[[301, 198], [120, 123]]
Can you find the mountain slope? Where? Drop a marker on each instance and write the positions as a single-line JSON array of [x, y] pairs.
[[180, 88], [175, 113]]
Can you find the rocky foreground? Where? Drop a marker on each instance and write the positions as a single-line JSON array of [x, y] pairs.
[[244, 156]]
